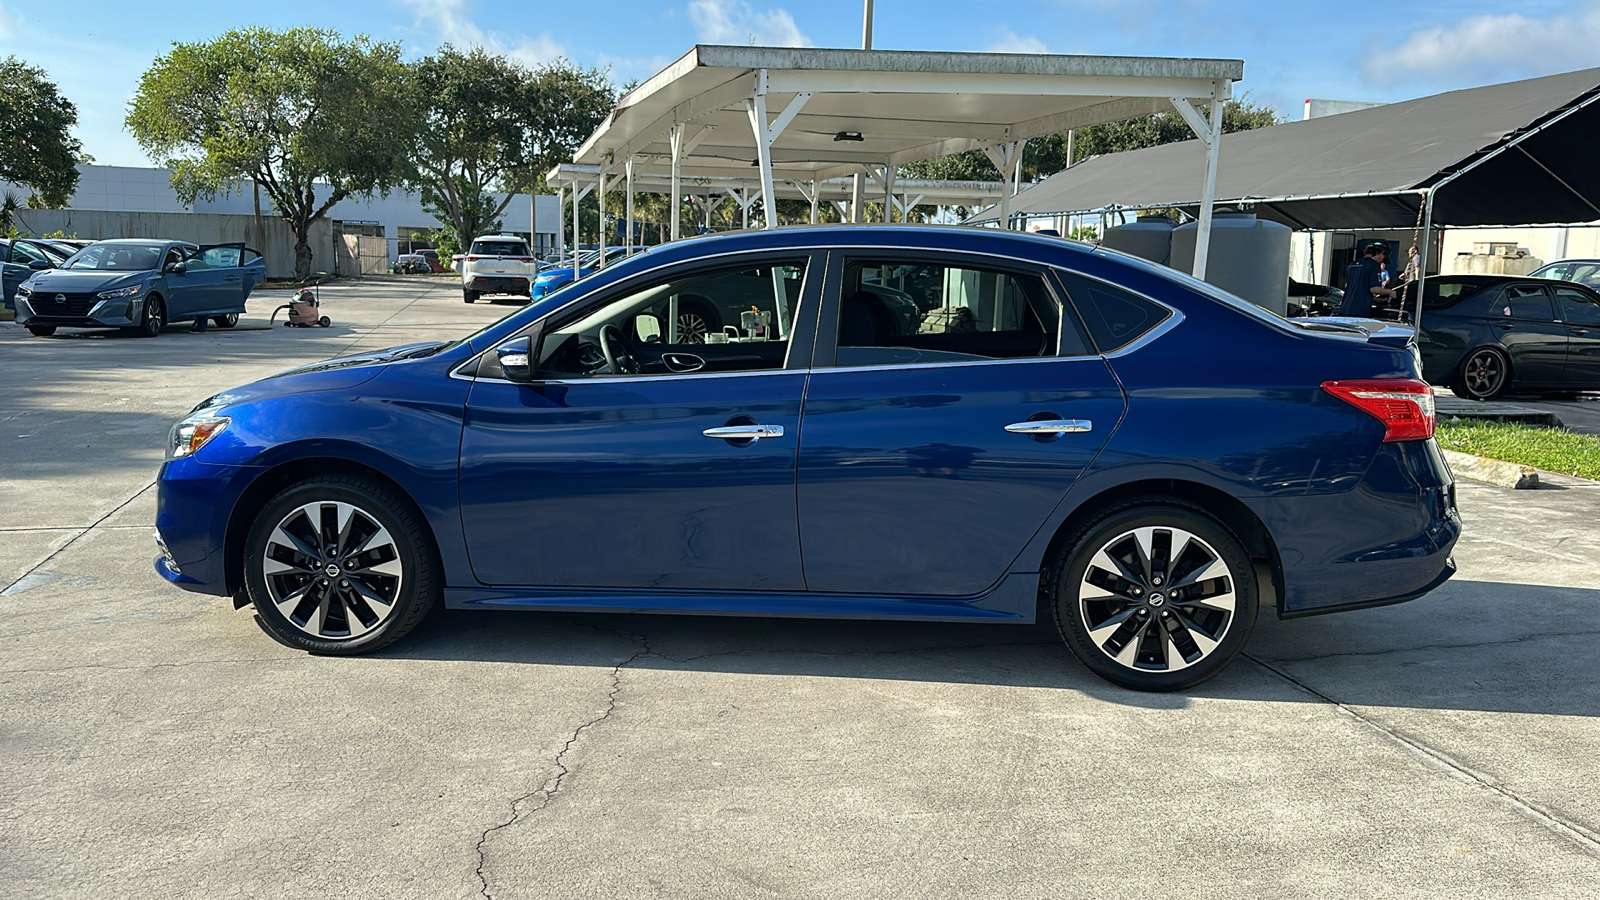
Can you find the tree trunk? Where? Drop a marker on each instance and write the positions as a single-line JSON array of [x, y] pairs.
[[302, 250]]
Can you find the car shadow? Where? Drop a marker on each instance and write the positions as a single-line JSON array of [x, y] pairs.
[[1468, 646]]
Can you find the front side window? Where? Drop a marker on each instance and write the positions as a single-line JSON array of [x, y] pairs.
[[1578, 307], [721, 320], [898, 312]]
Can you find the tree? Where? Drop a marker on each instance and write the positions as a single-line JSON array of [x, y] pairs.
[[490, 124], [297, 111], [1043, 157], [37, 149]]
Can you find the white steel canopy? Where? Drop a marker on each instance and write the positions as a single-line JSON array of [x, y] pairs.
[[808, 115]]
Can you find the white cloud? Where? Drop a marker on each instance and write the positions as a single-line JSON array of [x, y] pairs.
[[450, 21], [1011, 42], [1486, 47], [734, 22], [8, 24]]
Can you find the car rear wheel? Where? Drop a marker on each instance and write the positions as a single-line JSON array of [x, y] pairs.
[[1485, 374], [695, 319], [470, 296], [340, 565], [41, 330], [154, 318], [227, 321], [1154, 596]]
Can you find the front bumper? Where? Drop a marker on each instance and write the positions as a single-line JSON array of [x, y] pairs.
[[1386, 540], [99, 313], [193, 500]]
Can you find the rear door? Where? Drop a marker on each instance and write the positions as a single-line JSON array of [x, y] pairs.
[[936, 443], [1580, 309], [224, 276], [1526, 322]]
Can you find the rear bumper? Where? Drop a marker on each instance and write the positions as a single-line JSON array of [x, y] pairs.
[[1386, 540], [497, 284]]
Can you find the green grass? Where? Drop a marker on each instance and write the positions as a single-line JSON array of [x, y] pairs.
[[1550, 449]]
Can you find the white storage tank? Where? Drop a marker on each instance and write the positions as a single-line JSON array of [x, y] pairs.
[[1249, 257], [1148, 237]]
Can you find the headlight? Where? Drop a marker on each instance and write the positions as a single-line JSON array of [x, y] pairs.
[[24, 291], [120, 293], [193, 433]]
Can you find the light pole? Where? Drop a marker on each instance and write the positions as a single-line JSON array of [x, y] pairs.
[[860, 179]]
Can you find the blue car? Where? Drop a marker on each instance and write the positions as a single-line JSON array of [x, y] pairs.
[[1147, 458], [557, 276], [141, 286]]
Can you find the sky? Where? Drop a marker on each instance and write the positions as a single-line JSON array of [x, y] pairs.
[[1293, 49]]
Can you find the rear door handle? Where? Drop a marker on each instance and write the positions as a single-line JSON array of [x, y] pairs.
[[1051, 426], [744, 432]]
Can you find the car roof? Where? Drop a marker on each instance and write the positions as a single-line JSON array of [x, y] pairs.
[[144, 242]]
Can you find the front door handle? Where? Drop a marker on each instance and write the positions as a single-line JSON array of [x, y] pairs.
[[744, 432], [1051, 426]]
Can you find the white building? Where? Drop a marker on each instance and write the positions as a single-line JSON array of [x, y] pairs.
[[395, 217]]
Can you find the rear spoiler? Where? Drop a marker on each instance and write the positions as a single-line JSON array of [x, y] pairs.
[[1392, 334]]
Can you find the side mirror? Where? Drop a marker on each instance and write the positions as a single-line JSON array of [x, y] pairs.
[[648, 327], [179, 267], [40, 264], [516, 359]]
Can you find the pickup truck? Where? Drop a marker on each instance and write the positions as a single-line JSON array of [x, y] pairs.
[[497, 264]]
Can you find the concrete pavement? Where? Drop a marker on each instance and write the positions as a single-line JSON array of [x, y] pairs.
[[157, 744]]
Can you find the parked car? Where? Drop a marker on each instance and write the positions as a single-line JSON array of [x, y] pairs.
[[431, 257], [1484, 336], [496, 264], [141, 285], [20, 258], [1583, 271], [554, 277], [1079, 439]]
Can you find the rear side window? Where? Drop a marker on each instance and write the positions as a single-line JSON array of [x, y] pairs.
[[1527, 301], [1579, 307], [499, 248], [1115, 317]]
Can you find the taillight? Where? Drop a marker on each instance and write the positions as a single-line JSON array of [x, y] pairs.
[[474, 258], [521, 258], [1403, 405]]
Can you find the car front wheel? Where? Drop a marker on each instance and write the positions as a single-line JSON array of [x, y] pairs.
[[1154, 596], [41, 330], [340, 565], [155, 318]]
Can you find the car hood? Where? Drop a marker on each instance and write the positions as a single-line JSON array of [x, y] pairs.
[[68, 281], [330, 375]]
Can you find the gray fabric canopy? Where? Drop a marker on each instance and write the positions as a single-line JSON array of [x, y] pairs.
[[1526, 151]]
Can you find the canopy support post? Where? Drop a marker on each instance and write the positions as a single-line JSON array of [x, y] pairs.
[[1210, 134], [814, 191], [888, 193], [1005, 157], [675, 139], [765, 135], [561, 231], [628, 168], [600, 263], [1422, 261]]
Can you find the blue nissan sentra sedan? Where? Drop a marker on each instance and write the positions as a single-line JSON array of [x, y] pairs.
[[1151, 458]]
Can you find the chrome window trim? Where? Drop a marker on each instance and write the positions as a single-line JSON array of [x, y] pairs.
[[1173, 320]]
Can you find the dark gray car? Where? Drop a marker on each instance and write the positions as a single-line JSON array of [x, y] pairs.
[[141, 285]]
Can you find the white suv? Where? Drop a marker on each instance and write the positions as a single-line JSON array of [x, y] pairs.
[[497, 264]]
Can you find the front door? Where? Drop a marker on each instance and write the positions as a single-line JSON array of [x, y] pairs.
[[1580, 309], [639, 460], [937, 441], [1530, 332]]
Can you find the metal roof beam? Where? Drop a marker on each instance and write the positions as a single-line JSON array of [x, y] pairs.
[[848, 82]]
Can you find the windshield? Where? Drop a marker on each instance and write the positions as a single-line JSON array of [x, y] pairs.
[[116, 258]]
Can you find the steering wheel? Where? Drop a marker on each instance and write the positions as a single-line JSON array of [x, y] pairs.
[[619, 356]]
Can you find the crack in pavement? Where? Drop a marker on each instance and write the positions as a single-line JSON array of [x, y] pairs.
[[1516, 640], [1586, 840], [75, 538], [552, 786]]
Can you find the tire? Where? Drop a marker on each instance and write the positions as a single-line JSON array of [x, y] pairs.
[[1484, 374], [469, 296], [695, 318], [227, 321], [154, 317], [41, 330], [324, 321], [1132, 631], [337, 605]]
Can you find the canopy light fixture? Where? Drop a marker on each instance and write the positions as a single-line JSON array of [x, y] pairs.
[[853, 136]]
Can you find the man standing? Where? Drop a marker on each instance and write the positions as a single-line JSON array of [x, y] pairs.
[[1363, 282]]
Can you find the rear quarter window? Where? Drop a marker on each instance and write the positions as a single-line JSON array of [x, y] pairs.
[[1114, 317]]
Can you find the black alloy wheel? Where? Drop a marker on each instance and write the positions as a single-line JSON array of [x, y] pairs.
[[1154, 596], [340, 565], [1485, 374]]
